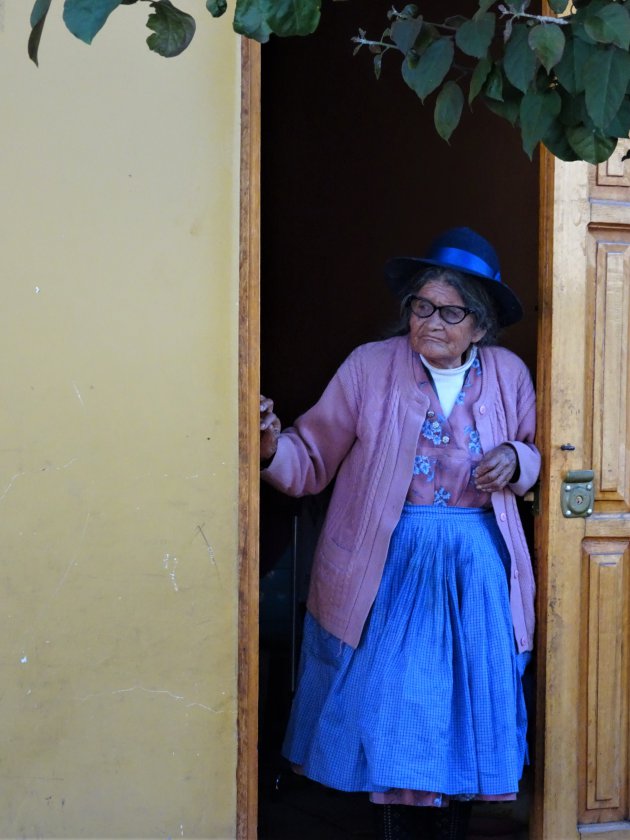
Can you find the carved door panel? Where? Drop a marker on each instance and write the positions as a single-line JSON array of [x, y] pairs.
[[583, 767]]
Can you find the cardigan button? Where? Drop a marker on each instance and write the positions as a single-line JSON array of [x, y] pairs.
[[523, 640], [503, 517], [515, 573], [445, 439], [482, 409], [430, 413]]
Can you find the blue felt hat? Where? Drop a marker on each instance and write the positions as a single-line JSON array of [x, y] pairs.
[[465, 251]]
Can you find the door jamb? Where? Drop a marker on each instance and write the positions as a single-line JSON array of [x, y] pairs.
[[248, 390], [545, 287], [248, 439]]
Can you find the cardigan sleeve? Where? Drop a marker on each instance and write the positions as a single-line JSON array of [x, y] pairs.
[[310, 452], [523, 435]]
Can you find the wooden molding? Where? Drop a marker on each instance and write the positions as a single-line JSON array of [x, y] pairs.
[[249, 434], [545, 288]]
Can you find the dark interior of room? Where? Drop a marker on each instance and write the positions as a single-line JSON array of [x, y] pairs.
[[353, 172]]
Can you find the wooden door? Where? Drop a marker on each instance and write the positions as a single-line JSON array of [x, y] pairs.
[[582, 764]]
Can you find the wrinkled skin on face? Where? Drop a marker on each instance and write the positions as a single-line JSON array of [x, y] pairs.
[[442, 345]]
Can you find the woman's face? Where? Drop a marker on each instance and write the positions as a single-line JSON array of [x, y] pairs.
[[442, 345]]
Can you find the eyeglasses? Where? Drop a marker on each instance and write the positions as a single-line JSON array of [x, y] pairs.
[[423, 308]]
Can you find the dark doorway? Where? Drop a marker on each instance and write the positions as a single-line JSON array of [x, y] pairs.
[[353, 172]]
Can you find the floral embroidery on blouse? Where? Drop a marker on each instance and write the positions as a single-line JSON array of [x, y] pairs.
[[432, 430], [441, 497], [474, 368], [423, 466], [448, 450], [474, 444]]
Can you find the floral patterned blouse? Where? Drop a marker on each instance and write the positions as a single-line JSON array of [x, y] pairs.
[[448, 448]]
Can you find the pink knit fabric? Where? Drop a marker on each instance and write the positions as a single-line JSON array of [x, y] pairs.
[[364, 430]]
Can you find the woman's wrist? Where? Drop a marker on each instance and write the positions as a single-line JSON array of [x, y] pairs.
[[517, 467]]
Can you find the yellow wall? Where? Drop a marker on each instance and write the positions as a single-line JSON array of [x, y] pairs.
[[118, 446]]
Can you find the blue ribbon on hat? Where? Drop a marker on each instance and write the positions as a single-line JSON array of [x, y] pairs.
[[465, 261]]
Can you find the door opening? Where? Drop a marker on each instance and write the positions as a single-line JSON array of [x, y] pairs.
[[353, 173]]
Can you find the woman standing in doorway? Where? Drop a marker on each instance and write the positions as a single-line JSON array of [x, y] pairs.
[[420, 610]]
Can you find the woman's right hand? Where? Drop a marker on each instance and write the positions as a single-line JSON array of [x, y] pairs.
[[269, 429]]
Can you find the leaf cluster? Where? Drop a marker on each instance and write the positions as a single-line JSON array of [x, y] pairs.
[[172, 29], [563, 81]]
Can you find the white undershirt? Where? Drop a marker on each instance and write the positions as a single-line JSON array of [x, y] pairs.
[[448, 381]]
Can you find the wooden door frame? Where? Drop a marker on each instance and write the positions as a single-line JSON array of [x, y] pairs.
[[561, 255], [545, 287], [549, 764], [249, 434]]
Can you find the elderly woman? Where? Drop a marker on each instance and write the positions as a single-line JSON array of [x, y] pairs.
[[420, 610]]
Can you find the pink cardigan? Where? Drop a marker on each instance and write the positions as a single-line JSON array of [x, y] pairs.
[[364, 429]]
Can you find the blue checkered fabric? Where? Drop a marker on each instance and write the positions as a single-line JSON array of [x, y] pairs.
[[431, 699]]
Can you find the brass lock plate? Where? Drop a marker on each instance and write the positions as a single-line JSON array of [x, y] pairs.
[[577, 494]]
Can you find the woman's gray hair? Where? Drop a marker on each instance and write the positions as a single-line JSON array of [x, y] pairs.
[[473, 294]]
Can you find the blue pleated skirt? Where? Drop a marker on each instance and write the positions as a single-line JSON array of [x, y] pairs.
[[431, 699]]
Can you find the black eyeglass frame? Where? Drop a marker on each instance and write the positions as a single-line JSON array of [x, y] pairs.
[[439, 309]]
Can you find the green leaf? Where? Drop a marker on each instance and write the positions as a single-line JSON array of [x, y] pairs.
[[556, 141], [38, 19], [250, 20], [292, 17], [509, 106], [586, 8], [84, 18], [570, 69], [494, 84], [606, 77], [584, 11], [410, 10], [173, 29], [475, 36], [537, 113], [519, 62], [216, 7], [427, 36], [506, 110], [484, 5], [425, 75], [404, 33], [620, 126], [558, 6], [258, 19], [378, 63], [448, 109], [39, 11], [547, 40], [610, 25], [573, 110], [591, 145], [455, 21], [478, 79]]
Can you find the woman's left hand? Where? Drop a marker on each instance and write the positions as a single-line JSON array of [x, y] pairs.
[[496, 468]]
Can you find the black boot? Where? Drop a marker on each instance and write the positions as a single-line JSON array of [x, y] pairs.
[[395, 822], [451, 823]]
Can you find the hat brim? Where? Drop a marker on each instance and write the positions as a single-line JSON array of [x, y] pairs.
[[400, 271]]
